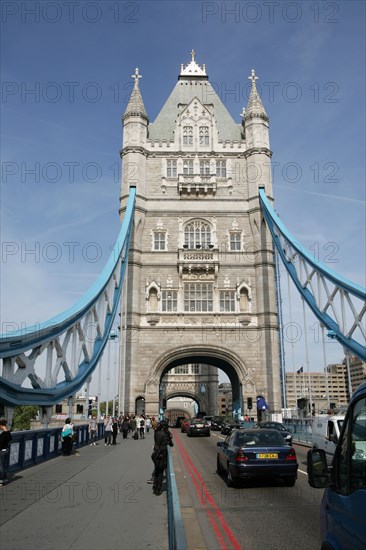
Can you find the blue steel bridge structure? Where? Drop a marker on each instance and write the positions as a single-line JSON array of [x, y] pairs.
[[44, 364]]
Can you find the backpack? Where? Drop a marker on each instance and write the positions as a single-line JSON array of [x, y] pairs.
[[135, 435], [142, 423]]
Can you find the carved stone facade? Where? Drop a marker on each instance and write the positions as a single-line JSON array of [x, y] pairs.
[[201, 282]]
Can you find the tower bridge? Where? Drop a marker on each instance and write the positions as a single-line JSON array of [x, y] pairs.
[[193, 272]]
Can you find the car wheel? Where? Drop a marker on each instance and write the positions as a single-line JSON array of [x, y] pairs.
[[208, 435], [188, 434], [219, 469], [290, 482], [229, 480]]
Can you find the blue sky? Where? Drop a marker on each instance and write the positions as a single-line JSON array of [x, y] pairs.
[[65, 83]]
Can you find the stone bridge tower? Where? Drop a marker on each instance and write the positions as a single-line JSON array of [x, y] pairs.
[[201, 278]]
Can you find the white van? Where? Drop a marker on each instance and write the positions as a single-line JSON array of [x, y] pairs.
[[326, 430]]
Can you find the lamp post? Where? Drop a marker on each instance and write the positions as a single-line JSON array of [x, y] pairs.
[[112, 336], [114, 404]]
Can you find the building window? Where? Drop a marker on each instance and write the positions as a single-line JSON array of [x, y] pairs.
[[171, 169], [169, 300], [221, 168], [204, 167], [188, 167], [187, 135], [182, 369], [159, 240], [198, 297], [79, 409], [204, 135], [197, 234], [58, 408], [195, 369], [227, 300], [235, 241]]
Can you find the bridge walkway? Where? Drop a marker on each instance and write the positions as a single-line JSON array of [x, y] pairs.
[[95, 499]]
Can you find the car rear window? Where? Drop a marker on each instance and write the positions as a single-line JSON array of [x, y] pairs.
[[262, 438]]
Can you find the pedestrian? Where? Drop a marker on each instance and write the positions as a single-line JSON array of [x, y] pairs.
[[162, 438], [154, 425], [142, 426], [114, 430], [107, 431], [93, 428], [125, 426], [148, 424], [5, 438], [66, 436], [133, 425]]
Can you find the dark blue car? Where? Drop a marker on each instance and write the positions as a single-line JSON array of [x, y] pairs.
[[256, 454]]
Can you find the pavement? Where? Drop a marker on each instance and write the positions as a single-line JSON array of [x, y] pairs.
[[96, 499]]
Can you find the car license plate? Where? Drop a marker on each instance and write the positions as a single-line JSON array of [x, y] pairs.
[[199, 425], [267, 455]]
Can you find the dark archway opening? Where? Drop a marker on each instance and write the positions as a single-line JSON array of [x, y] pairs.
[[233, 403]]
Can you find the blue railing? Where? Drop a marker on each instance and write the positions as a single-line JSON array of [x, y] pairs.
[[177, 536], [32, 447]]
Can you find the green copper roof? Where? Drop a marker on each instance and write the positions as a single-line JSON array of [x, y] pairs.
[[185, 90]]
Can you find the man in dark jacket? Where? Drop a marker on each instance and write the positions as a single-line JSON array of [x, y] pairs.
[[162, 438], [5, 438]]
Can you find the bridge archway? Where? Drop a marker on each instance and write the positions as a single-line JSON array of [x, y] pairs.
[[227, 361]]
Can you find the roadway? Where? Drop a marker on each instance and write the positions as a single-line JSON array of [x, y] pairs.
[[264, 516]]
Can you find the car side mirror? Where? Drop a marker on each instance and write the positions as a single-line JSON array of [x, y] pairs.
[[318, 473], [219, 443]]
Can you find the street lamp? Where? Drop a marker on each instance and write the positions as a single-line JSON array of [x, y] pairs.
[[112, 336]]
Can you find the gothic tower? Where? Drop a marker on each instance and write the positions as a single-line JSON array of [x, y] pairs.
[[201, 285]]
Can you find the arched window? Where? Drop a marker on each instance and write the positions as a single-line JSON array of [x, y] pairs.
[[244, 300], [153, 300], [187, 135], [204, 136], [197, 234]]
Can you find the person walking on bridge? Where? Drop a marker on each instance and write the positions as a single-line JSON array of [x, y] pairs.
[[93, 427], [125, 426], [141, 424], [133, 426], [107, 431], [66, 436], [114, 430], [162, 438], [5, 438]]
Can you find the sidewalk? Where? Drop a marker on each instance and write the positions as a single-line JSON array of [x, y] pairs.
[[96, 499]]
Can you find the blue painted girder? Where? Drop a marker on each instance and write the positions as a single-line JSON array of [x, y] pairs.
[[277, 228], [13, 344]]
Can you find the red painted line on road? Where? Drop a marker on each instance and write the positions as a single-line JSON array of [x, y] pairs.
[[220, 538], [193, 471]]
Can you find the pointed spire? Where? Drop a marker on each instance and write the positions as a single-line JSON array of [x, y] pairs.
[[255, 105], [193, 69], [135, 104]]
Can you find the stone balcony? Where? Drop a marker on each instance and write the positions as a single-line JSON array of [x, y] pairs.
[[197, 184], [198, 260]]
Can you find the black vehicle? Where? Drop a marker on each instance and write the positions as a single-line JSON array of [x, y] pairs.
[[229, 424], [286, 434], [198, 426], [208, 419], [216, 422], [258, 454]]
